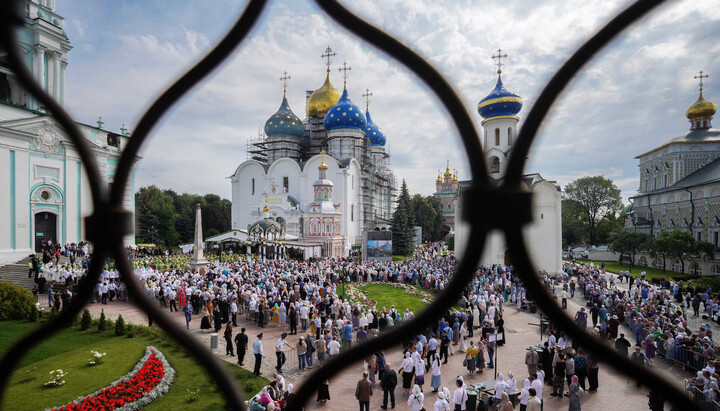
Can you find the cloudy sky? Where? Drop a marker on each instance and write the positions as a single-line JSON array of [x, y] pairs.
[[631, 98]]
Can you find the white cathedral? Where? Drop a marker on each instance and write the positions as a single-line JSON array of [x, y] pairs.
[[44, 185], [543, 236], [322, 180]]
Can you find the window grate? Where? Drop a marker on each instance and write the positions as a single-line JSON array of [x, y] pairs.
[[109, 222]]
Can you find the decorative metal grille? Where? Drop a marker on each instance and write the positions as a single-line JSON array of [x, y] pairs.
[[108, 224]]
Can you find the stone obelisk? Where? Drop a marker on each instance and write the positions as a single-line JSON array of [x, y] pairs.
[[198, 262]]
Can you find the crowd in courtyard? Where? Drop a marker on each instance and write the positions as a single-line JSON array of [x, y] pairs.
[[301, 298]]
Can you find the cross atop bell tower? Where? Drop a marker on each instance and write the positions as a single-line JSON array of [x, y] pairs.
[[499, 63], [329, 54]]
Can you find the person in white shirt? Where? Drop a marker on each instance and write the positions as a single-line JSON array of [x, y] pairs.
[[459, 396], [440, 403], [333, 347], [524, 394], [537, 384], [511, 389], [500, 386]]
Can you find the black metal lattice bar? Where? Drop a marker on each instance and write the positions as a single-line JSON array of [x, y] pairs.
[[108, 224]]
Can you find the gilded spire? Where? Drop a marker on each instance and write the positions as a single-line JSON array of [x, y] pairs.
[[702, 109], [447, 174], [266, 208], [322, 165], [455, 178], [439, 179]]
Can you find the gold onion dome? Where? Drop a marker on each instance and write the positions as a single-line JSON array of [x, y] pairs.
[[439, 180], [701, 109], [322, 99], [447, 174], [322, 165], [455, 178]]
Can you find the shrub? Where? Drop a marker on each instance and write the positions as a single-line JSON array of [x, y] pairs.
[[15, 302], [120, 326], [192, 395], [33, 314], [102, 322], [86, 320]]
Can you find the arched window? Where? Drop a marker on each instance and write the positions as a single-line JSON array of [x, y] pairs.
[[643, 262], [497, 136], [494, 164], [510, 136], [695, 269], [716, 269]]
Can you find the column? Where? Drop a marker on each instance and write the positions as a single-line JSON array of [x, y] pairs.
[[39, 70], [55, 76], [63, 65]]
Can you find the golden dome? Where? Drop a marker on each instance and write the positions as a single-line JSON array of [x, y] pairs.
[[455, 178], [322, 99], [701, 109], [447, 174], [439, 179]]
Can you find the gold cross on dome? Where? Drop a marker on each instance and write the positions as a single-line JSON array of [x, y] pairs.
[[701, 77], [329, 54], [344, 70], [367, 96], [284, 79], [499, 63]]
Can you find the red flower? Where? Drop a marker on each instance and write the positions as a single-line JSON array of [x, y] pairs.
[[124, 391]]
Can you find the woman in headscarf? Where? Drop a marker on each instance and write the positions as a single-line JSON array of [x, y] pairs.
[[419, 370], [435, 379], [283, 315], [500, 387], [505, 404], [287, 397], [574, 389], [480, 359], [416, 399], [524, 395], [407, 372], [463, 336], [500, 324], [205, 322], [324, 392], [446, 392], [471, 357], [512, 387], [265, 397], [255, 404], [276, 315], [440, 403]]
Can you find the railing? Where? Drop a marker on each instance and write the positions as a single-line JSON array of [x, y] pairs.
[[699, 399], [507, 204]]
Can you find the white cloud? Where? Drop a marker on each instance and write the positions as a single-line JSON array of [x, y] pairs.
[[630, 98]]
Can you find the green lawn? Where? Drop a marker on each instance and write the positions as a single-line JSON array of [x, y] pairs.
[[387, 295], [615, 267], [70, 351]]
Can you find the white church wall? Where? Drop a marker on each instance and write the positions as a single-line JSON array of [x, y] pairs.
[[278, 170], [245, 198], [544, 235], [6, 225]]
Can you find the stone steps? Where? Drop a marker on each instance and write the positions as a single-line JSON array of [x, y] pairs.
[[17, 273]]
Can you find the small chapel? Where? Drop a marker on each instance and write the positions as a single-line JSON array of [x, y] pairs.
[[543, 236]]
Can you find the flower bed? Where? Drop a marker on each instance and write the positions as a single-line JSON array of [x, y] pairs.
[[151, 378], [357, 295]]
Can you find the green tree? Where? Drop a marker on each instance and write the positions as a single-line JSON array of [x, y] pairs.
[[573, 228], [678, 244], [628, 243], [156, 215], [102, 322], [403, 224], [120, 326], [86, 320], [598, 198], [428, 215]]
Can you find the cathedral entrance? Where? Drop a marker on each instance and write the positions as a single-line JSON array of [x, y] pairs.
[[45, 229], [507, 261]]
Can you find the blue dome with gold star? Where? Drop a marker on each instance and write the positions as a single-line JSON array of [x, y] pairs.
[[344, 114], [373, 132], [500, 102], [284, 122]]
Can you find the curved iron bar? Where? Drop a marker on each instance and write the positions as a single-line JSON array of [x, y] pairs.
[[10, 20], [210, 62], [466, 269], [429, 75], [560, 80], [204, 356], [463, 275], [523, 267]]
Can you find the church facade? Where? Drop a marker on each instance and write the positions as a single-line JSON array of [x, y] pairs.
[[543, 236], [680, 187], [355, 186], [46, 192], [446, 186]]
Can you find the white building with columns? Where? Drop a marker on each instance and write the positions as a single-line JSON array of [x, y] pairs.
[[543, 236], [44, 186]]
